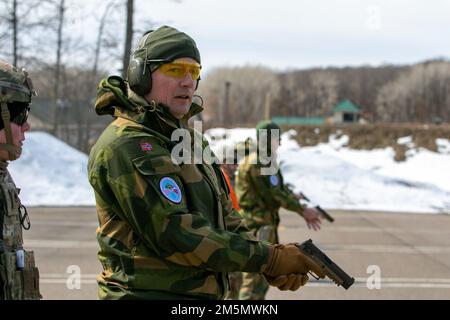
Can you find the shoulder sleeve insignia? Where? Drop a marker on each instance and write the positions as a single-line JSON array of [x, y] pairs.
[[170, 189], [274, 180]]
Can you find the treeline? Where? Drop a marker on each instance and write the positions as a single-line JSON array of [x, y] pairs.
[[418, 93], [239, 96], [41, 36]]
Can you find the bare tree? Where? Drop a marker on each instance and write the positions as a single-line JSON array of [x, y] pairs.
[[18, 20], [324, 94], [14, 27], [85, 132], [100, 33], [419, 95], [57, 79], [128, 37], [237, 95]]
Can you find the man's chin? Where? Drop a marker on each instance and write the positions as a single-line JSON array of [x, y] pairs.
[[181, 110]]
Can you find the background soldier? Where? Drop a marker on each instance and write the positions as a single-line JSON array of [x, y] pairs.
[[260, 197], [168, 230], [228, 167], [19, 278]]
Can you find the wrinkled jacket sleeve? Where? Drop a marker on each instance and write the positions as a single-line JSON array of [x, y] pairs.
[[233, 220], [278, 193], [172, 231], [237, 224]]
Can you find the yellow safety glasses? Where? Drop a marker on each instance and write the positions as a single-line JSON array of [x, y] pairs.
[[180, 68]]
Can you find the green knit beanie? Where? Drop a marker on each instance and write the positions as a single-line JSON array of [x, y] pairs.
[[166, 43]]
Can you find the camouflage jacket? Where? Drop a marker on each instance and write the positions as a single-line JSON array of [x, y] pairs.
[[10, 226], [166, 231], [261, 196], [18, 280]]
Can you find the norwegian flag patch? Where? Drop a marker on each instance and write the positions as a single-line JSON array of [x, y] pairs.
[[145, 146]]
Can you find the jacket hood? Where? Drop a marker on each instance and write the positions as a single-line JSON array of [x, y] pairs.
[[116, 99]]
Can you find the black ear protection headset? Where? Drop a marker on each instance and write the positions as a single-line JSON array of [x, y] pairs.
[[139, 73]]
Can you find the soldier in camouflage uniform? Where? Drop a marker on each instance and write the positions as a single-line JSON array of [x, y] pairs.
[[168, 230], [260, 197], [19, 278], [228, 167]]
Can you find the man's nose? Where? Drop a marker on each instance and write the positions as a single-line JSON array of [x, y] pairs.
[[26, 126], [187, 81]]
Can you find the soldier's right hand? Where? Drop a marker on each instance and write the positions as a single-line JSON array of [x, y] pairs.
[[286, 259]]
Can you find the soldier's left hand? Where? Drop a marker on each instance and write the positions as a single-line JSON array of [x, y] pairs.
[[312, 218]]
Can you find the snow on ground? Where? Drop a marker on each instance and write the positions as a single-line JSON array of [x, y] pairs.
[[51, 173], [341, 178]]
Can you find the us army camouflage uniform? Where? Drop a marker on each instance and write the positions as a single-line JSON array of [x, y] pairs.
[[19, 278], [15, 284], [166, 231], [260, 197]]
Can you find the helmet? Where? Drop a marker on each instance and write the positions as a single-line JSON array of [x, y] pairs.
[[264, 129], [16, 90], [267, 125], [155, 48], [15, 85]]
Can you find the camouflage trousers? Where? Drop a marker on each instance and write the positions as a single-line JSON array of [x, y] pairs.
[[254, 285]]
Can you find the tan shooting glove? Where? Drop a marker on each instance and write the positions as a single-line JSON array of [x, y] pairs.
[[287, 259], [290, 282]]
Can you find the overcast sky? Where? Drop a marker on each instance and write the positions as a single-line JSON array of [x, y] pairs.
[[292, 34]]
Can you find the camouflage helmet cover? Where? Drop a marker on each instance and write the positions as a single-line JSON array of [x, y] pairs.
[[16, 90], [15, 85], [267, 125], [264, 130]]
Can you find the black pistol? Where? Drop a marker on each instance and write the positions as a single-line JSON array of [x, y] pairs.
[[329, 268]]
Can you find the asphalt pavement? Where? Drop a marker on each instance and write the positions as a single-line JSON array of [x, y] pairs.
[[390, 255]]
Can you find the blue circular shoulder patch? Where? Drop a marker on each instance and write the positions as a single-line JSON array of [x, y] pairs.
[[170, 189], [274, 180]]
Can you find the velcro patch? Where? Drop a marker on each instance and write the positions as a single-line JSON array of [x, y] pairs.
[[274, 180], [146, 146]]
